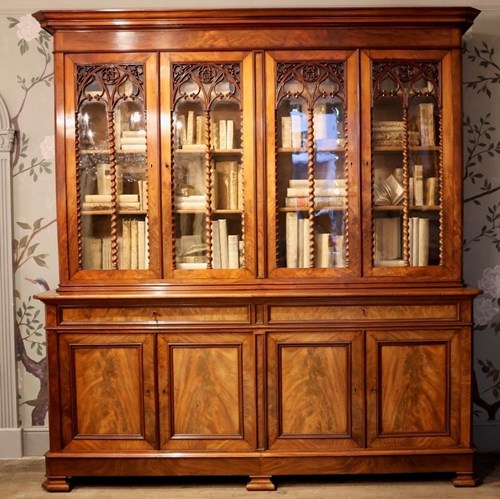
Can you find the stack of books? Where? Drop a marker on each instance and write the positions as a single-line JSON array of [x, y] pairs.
[[392, 134], [419, 241], [94, 202], [194, 202], [133, 141], [327, 193]]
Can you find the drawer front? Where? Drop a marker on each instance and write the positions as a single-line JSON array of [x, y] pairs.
[[327, 313], [161, 315]]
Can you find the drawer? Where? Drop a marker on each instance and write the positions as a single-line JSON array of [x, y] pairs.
[[327, 313], [161, 315]]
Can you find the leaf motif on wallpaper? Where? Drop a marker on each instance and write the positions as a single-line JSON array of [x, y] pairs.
[[488, 232], [29, 329], [492, 390], [24, 248], [28, 32], [484, 56], [480, 147]]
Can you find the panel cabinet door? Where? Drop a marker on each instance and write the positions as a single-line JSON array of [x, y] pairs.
[[110, 146], [414, 383], [315, 390], [107, 390], [207, 391], [312, 162], [411, 157], [208, 122]]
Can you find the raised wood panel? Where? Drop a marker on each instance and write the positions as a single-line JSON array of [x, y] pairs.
[[413, 388], [389, 312], [174, 314], [207, 391], [107, 391], [315, 390]]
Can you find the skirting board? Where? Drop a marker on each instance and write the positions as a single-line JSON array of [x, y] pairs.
[[486, 436], [12, 443], [35, 441]]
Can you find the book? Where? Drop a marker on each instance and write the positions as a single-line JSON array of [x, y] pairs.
[[126, 248], [134, 239], [387, 192], [224, 249], [229, 134], [322, 250], [286, 132], [190, 128], [233, 252], [200, 130], [318, 191], [226, 185], [222, 134], [387, 239], [296, 128], [426, 124], [423, 242], [339, 251], [418, 185], [431, 191], [216, 255], [292, 222], [103, 178], [141, 244]]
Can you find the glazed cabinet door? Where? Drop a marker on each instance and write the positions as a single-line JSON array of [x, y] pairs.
[[315, 390], [111, 157], [416, 390], [107, 391], [208, 121], [207, 391], [312, 163], [411, 163]]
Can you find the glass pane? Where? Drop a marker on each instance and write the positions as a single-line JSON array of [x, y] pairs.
[[112, 173], [208, 167], [311, 175], [406, 154]]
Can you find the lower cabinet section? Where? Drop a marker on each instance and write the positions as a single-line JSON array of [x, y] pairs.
[[413, 383], [315, 390], [207, 391], [155, 398], [107, 392]]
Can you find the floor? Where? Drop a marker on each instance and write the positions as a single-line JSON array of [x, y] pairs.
[[21, 479]]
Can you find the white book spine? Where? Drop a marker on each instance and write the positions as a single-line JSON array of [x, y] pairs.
[[216, 256], [190, 128], [286, 131], [224, 249], [291, 240], [233, 252], [322, 251], [229, 134], [222, 134], [423, 242]]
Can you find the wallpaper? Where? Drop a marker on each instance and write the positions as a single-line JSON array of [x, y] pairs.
[[27, 87]]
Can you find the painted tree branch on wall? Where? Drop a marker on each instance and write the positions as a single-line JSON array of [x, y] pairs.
[[29, 328], [484, 56], [27, 319]]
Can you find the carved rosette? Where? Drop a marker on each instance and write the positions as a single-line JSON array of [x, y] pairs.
[[109, 84], [206, 83], [311, 83]]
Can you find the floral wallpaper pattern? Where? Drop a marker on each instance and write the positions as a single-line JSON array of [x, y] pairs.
[[27, 89]]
